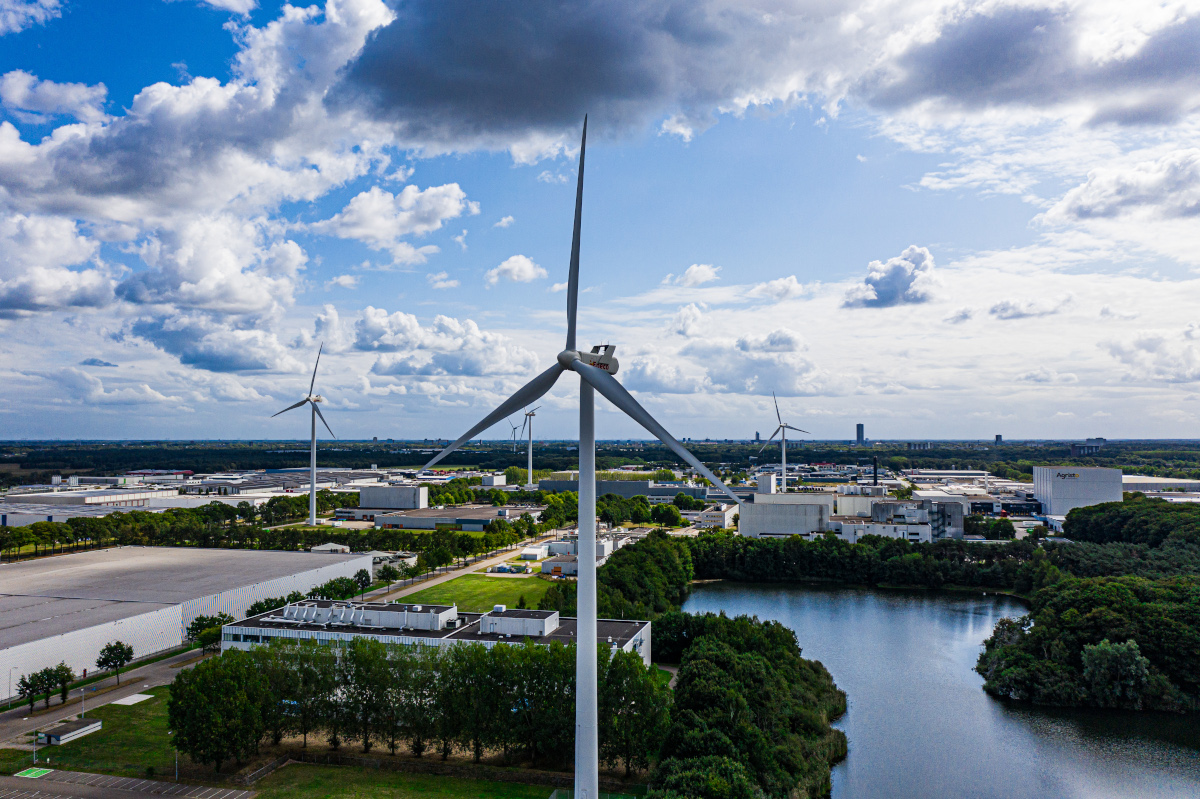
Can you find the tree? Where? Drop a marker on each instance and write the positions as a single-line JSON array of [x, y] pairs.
[[114, 657], [389, 574], [202, 623], [362, 579], [1116, 675], [210, 640], [666, 515], [63, 677], [216, 709], [28, 689], [636, 712]]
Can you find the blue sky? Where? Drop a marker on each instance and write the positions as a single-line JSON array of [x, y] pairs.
[[940, 219]]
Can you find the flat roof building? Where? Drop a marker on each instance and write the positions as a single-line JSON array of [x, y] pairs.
[[67, 607], [464, 517], [425, 625], [1061, 488]]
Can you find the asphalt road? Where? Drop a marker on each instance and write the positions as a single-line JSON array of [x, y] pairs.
[[15, 723]]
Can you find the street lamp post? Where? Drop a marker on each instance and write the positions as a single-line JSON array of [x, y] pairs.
[[10, 671]]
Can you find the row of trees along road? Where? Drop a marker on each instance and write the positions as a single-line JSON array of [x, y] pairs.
[[517, 700]]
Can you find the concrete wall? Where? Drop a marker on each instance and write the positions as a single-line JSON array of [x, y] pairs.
[[148, 633], [1061, 488], [855, 505], [625, 488], [760, 519]]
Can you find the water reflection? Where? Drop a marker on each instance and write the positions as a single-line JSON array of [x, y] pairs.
[[919, 724]]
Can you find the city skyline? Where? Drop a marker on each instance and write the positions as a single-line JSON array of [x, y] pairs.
[[787, 202]]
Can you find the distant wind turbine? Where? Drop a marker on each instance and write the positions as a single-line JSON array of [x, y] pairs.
[[781, 431], [595, 369], [529, 484], [312, 399], [514, 434]]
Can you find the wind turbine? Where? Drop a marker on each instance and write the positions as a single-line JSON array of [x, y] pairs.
[[529, 484], [782, 432], [595, 369], [312, 399], [514, 434]]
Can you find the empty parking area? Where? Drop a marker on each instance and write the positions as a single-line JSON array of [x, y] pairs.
[[104, 786]]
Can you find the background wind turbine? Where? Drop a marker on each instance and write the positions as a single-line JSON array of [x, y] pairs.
[[312, 399], [595, 369], [781, 431], [514, 433], [529, 484]]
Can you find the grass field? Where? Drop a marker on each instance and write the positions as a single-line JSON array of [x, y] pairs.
[[346, 782], [134, 738], [476, 593]]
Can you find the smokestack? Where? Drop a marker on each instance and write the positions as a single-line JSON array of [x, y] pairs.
[[875, 470]]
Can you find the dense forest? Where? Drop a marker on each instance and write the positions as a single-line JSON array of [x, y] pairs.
[[1095, 638]]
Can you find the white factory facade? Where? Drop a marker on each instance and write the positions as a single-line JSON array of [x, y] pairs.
[[400, 624], [1063, 488], [68, 607]]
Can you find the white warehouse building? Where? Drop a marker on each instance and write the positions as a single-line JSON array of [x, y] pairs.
[[66, 608], [1061, 488]]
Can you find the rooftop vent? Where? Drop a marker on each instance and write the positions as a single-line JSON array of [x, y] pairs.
[[499, 608]]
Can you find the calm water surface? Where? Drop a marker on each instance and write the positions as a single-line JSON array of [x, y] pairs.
[[918, 723]]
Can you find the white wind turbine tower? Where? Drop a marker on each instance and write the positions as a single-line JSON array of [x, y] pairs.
[[595, 369], [312, 399], [781, 431], [529, 484]]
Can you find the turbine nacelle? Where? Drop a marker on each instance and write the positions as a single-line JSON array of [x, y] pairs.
[[602, 357]]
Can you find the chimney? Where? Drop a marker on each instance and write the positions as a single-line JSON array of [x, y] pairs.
[[875, 470]]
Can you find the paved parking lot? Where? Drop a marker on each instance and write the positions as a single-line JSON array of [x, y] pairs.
[[78, 785]]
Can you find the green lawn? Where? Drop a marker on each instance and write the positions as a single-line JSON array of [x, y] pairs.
[[477, 593], [133, 738], [299, 781]]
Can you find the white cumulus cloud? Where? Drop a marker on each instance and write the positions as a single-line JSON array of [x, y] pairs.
[[517, 269]]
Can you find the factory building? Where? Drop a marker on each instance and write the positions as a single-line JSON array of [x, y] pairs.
[[1061, 488], [425, 625], [464, 517], [664, 492], [108, 497], [66, 608]]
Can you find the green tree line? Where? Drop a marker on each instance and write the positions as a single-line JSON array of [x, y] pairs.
[[513, 700]]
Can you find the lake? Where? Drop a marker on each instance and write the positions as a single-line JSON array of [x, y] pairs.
[[920, 725]]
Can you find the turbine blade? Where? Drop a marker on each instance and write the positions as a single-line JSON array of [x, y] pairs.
[[777, 416], [573, 276], [525, 395], [523, 424], [318, 410], [769, 440], [313, 382], [290, 407], [615, 393], [797, 429]]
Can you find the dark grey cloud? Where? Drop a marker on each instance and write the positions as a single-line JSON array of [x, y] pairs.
[[461, 70], [1032, 57], [95, 362]]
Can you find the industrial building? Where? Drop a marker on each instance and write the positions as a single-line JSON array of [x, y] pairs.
[[463, 517], [425, 625], [21, 514], [1141, 482], [66, 608], [1061, 488], [629, 489], [109, 497], [376, 500]]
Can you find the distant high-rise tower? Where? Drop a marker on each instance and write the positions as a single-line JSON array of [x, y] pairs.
[[757, 436], [859, 430], [999, 439]]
